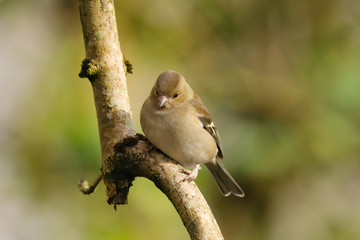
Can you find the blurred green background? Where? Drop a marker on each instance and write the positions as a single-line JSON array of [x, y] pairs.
[[280, 78]]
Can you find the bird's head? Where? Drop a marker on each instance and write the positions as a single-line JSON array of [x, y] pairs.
[[170, 90]]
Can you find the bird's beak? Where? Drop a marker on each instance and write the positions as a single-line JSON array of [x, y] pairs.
[[163, 100]]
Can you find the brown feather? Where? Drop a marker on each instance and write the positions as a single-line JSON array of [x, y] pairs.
[[206, 122]]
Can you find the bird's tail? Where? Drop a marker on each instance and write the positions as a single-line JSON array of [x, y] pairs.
[[224, 180]]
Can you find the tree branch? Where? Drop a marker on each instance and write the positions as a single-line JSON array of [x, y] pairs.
[[126, 154]]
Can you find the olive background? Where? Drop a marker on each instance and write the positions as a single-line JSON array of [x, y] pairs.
[[280, 79]]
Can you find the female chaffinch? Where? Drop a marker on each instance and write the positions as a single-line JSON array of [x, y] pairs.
[[177, 122]]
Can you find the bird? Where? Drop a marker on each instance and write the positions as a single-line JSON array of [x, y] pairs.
[[176, 121]]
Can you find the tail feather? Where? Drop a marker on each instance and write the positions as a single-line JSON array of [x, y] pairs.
[[224, 180]]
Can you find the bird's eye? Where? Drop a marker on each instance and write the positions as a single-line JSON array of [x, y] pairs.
[[176, 95], [156, 93]]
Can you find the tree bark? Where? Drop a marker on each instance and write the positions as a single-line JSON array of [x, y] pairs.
[[126, 154]]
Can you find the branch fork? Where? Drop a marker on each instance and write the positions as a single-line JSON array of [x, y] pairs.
[[125, 154]]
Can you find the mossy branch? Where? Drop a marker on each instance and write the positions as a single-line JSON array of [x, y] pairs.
[[126, 154], [89, 69]]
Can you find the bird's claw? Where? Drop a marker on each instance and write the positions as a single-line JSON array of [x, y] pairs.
[[191, 175]]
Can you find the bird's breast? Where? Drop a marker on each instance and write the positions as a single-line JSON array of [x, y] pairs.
[[180, 135]]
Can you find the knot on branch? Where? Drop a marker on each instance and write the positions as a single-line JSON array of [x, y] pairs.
[[121, 170], [117, 184], [89, 69], [128, 65]]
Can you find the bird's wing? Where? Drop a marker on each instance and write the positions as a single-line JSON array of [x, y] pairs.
[[206, 122]]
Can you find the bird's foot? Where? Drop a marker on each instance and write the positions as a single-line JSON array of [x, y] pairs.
[[191, 175]]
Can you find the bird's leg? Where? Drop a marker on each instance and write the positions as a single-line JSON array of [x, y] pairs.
[[191, 174]]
